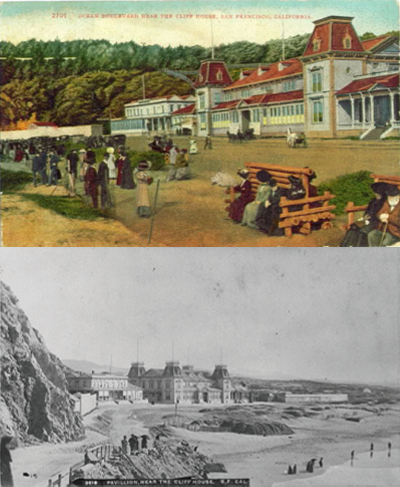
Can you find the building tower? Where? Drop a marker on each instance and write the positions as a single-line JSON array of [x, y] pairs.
[[173, 382], [333, 56], [135, 373], [212, 77], [222, 380]]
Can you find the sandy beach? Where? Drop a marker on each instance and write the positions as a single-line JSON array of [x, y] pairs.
[[263, 459]]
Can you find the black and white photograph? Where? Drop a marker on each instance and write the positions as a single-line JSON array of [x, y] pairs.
[[280, 366]]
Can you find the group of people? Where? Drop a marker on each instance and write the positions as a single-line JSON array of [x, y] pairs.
[[121, 170], [292, 470], [178, 164], [262, 211], [380, 224], [135, 444]]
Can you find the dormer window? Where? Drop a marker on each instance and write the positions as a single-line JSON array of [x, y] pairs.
[[219, 75], [347, 41], [201, 77], [316, 44]]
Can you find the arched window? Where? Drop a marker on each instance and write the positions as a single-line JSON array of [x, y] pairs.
[[347, 41], [219, 75], [316, 44]]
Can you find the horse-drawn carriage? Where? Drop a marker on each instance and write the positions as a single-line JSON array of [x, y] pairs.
[[241, 136]]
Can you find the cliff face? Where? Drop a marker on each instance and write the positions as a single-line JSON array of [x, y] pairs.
[[35, 403]]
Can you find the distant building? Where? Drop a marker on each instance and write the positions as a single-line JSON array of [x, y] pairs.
[[185, 385], [35, 125], [184, 120], [105, 386], [151, 115], [304, 398]]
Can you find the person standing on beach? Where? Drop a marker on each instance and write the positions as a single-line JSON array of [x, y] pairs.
[[5, 465], [124, 444]]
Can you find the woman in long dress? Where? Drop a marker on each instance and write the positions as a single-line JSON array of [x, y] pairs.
[[236, 208], [111, 163], [143, 208], [263, 192]]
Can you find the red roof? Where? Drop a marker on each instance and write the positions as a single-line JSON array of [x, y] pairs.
[[227, 104], [388, 81], [290, 67], [268, 98], [288, 96], [371, 43], [186, 109], [213, 72], [44, 124], [331, 35]]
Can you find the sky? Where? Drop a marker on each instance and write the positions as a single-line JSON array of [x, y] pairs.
[[43, 20], [305, 313]]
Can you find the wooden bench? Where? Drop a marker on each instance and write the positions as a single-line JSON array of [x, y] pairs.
[[351, 208], [315, 209]]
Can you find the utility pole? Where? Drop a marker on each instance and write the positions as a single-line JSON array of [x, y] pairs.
[[283, 40], [212, 40], [143, 87]]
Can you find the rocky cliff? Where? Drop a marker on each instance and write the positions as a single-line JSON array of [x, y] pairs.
[[35, 403]]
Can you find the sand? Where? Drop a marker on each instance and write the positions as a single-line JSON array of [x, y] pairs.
[[262, 459]]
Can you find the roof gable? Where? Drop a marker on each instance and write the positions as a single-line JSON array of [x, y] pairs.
[[382, 44], [288, 67], [373, 82]]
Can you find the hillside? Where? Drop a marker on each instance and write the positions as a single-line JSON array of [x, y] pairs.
[[35, 403]]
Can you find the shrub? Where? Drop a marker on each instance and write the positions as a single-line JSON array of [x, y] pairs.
[[355, 187], [155, 158], [14, 180]]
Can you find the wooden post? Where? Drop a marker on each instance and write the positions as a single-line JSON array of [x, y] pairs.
[[59, 480], [50, 483]]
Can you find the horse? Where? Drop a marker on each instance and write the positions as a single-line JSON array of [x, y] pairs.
[[293, 139]]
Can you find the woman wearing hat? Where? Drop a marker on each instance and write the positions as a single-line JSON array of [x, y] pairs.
[[127, 181], [388, 231], [111, 162], [357, 236], [236, 208], [182, 166], [91, 182], [143, 208], [268, 213], [263, 192]]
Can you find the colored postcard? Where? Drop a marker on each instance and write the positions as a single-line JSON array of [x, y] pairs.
[[200, 124]]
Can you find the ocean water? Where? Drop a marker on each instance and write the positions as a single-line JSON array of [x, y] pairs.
[[380, 470]]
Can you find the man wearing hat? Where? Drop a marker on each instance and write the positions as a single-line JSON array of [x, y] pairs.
[[91, 182], [143, 208], [236, 208], [72, 170], [357, 236], [263, 192], [388, 232]]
